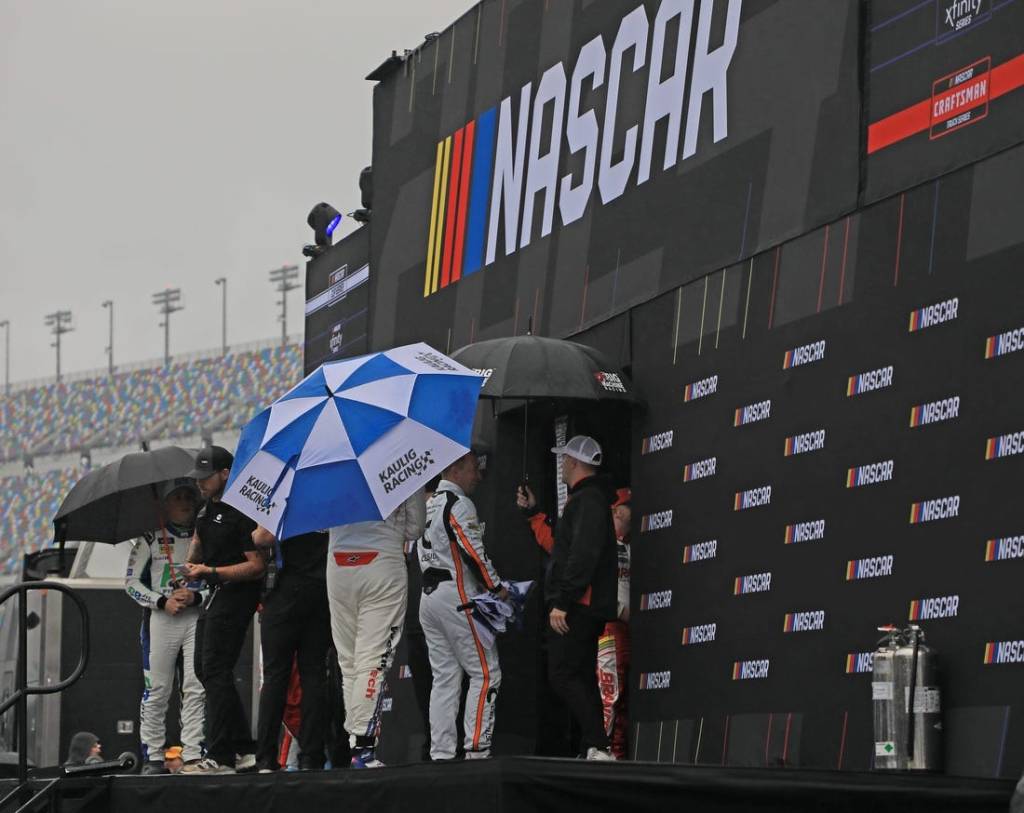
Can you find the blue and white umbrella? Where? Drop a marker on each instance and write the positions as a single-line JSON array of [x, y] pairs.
[[353, 440]]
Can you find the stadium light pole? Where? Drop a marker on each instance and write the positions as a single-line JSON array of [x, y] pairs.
[[59, 323], [109, 304], [6, 325], [283, 278], [168, 301], [222, 283]]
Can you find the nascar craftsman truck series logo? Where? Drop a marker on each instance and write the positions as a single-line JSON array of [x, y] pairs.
[[494, 174]]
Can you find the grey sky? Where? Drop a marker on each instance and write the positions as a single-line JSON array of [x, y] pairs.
[[146, 144]]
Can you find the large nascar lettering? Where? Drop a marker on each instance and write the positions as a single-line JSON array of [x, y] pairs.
[[752, 413], [700, 551], [859, 663], [1004, 652], [934, 314], [489, 174], [1004, 446], [805, 354], [657, 443], [655, 680], [754, 498], [661, 600], [801, 444], [1002, 343], [1009, 547], [700, 389], [945, 410], [750, 670], [931, 510], [868, 382], [700, 469], [870, 474], [805, 531], [939, 607], [700, 634], [754, 583], [656, 522], [804, 622], [871, 568]]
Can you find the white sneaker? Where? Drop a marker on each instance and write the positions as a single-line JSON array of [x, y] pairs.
[[599, 754], [245, 763], [205, 767]]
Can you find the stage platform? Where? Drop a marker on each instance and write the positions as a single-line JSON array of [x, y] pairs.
[[518, 784]]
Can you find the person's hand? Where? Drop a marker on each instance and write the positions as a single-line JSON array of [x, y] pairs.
[[183, 595], [558, 622], [195, 570], [172, 606], [525, 498]]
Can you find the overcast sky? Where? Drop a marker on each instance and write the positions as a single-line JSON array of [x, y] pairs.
[[149, 144]]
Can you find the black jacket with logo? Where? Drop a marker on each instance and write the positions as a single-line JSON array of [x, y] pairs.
[[584, 567]]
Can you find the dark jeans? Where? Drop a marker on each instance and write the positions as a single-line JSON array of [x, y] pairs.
[[221, 634], [572, 660], [295, 627]]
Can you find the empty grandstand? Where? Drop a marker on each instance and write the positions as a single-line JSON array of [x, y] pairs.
[[50, 431]]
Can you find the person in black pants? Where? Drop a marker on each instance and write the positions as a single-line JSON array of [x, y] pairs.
[[581, 587], [223, 554], [295, 626]]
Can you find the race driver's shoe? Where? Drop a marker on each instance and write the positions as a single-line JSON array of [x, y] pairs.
[[599, 754], [366, 759], [205, 767]]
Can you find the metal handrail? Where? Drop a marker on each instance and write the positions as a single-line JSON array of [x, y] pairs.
[[22, 689]]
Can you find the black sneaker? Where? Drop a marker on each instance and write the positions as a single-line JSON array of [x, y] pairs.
[[154, 767]]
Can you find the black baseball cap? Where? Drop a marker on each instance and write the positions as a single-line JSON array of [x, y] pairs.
[[209, 460], [178, 484]]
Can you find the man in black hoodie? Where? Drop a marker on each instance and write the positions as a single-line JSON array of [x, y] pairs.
[[581, 587]]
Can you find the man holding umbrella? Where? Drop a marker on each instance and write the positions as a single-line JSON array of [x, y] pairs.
[[224, 555], [168, 626]]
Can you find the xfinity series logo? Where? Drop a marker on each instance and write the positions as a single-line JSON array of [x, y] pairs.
[[805, 354], [410, 464], [661, 600], [336, 338], [752, 413], [868, 382], [1004, 652], [700, 469], [870, 474], [859, 663], [754, 583], [956, 15], [701, 634], [805, 532], [960, 98], [754, 498], [492, 175], [700, 551], [656, 443], [931, 510], [656, 522], [934, 315], [933, 608], [1004, 446], [655, 680], [1009, 547], [804, 622], [1002, 343], [750, 670], [612, 382], [702, 389], [807, 442], [874, 567], [947, 409]]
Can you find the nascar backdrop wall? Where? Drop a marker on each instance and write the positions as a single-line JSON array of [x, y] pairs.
[[815, 273]]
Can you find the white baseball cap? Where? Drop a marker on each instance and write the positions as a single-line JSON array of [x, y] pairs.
[[582, 448]]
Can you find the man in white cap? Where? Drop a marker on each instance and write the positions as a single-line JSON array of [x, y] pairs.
[[581, 587]]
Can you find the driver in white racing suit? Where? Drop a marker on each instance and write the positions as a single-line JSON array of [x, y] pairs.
[[153, 579]]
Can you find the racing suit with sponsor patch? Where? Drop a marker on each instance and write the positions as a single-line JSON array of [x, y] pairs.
[[455, 569], [153, 568], [613, 652], [366, 587]]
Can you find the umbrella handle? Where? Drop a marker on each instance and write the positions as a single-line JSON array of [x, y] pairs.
[[526, 423]]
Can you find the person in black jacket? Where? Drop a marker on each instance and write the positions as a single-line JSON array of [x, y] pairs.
[[581, 587]]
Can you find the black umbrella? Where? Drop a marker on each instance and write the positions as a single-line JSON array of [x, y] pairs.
[[530, 367], [120, 501]]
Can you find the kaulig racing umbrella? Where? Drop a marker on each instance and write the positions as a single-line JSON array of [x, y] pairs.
[[353, 440]]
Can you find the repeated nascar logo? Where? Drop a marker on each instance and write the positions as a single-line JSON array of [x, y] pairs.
[[1004, 652], [1004, 446], [700, 551], [802, 444], [700, 634], [752, 498], [860, 663], [656, 443], [873, 567], [932, 510], [946, 409], [700, 389], [869, 382], [805, 532], [805, 354], [809, 621], [932, 315], [660, 600], [656, 522], [926, 609], [754, 583], [1008, 547], [655, 680], [870, 474], [752, 413], [1002, 343], [700, 469], [750, 670]]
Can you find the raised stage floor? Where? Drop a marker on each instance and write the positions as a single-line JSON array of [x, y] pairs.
[[518, 784]]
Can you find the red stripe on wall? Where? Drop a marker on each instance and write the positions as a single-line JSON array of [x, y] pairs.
[[460, 228], [453, 206]]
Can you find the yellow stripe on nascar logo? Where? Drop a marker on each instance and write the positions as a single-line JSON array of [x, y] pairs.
[[436, 270], [429, 279]]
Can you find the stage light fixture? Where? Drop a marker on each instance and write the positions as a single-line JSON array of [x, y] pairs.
[[323, 220]]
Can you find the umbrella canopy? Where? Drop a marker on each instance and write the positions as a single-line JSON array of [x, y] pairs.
[[538, 367], [119, 501], [353, 440]]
